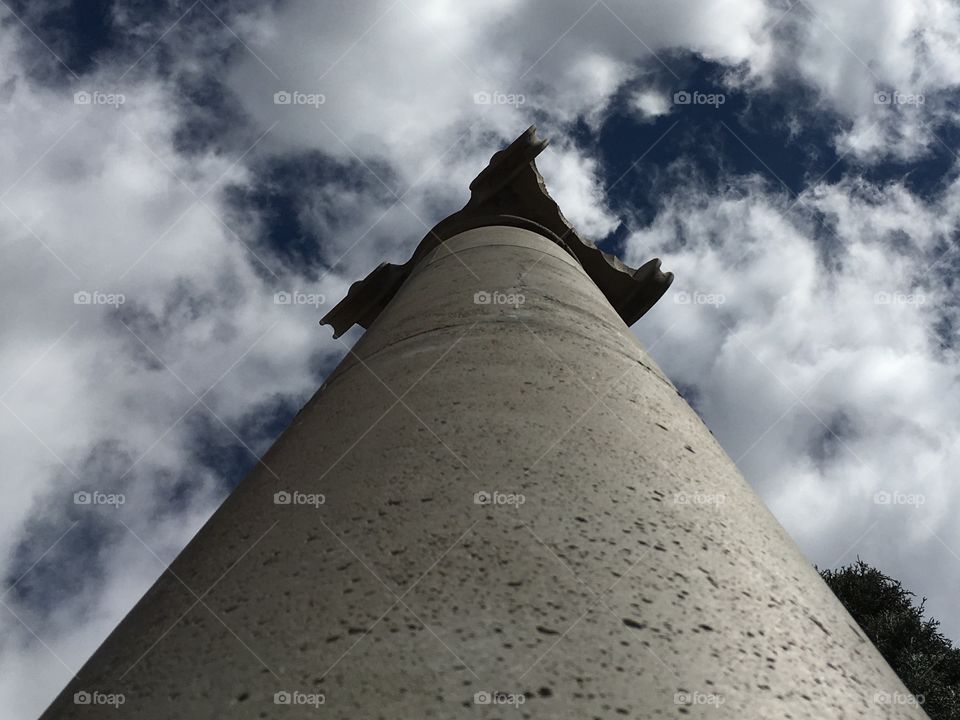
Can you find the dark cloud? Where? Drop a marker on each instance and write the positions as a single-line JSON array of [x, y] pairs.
[[300, 204], [81, 559]]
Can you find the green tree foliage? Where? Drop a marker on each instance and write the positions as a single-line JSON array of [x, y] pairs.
[[925, 660]]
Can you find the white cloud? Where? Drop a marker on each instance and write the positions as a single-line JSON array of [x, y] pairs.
[[651, 104], [575, 186]]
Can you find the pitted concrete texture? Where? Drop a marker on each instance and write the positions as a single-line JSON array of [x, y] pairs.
[[520, 518]]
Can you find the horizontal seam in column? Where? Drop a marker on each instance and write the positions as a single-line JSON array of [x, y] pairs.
[[564, 257], [360, 362]]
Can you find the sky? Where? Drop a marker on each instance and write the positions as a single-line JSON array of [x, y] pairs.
[[168, 168]]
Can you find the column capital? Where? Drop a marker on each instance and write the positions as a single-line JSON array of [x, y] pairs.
[[510, 191]]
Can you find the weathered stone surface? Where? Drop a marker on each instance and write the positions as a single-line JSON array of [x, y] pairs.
[[641, 577]]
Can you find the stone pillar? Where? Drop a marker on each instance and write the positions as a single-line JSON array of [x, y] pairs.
[[496, 506]]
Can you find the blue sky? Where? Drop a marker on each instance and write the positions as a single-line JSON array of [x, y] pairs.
[[794, 165]]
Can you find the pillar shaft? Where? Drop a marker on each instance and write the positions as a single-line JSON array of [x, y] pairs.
[[623, 567]]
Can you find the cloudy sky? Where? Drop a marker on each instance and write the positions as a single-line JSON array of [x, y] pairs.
[[793, 164]]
